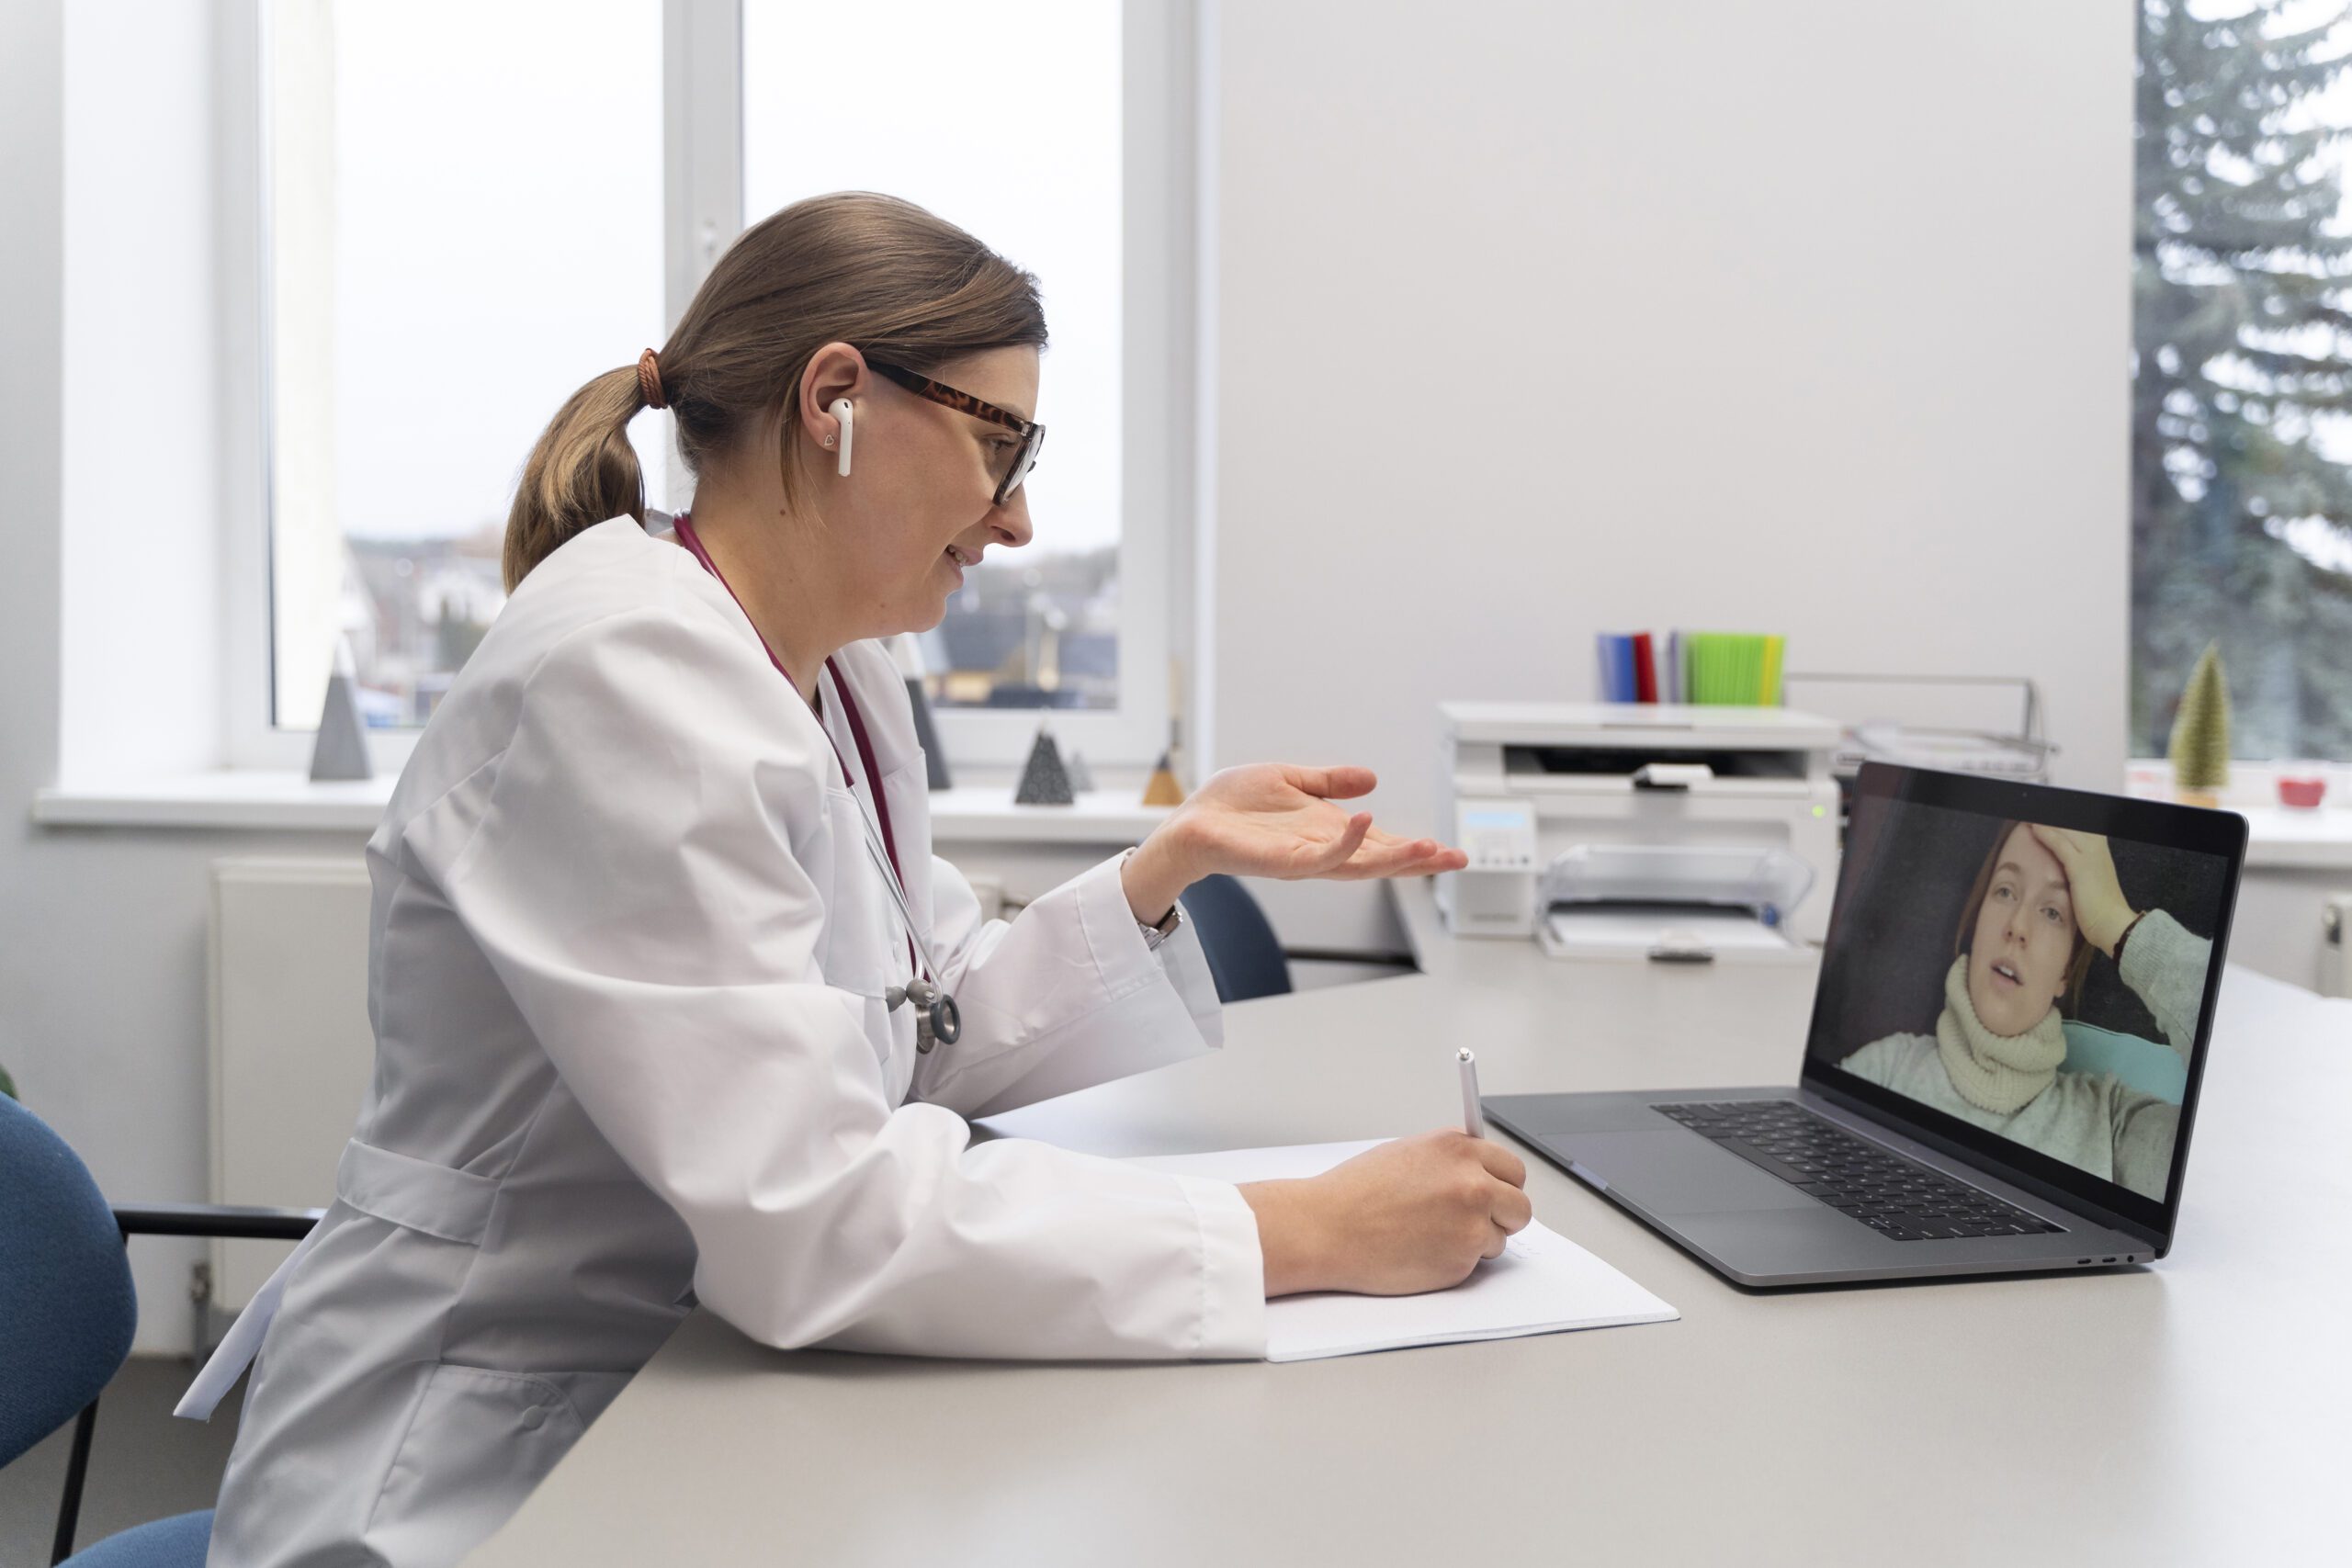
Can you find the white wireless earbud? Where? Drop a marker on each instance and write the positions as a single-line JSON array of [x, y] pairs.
[[842, 411]]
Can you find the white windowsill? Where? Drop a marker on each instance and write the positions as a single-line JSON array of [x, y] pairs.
[[2281, 836], [257, 800], [253, 800], [2277, 837]]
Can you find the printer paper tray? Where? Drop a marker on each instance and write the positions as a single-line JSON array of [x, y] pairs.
[[1636, 934]]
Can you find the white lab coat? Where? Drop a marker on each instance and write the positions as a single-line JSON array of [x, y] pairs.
[[627, 961]]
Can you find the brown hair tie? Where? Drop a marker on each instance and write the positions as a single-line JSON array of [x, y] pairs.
[[648, 380]]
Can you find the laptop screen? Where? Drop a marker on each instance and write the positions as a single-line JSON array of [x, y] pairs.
[[2028, 972]]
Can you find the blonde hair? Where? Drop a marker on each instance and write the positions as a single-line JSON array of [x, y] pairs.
[[882, 275]]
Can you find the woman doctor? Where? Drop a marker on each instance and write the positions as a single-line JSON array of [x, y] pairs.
[[641, 972]]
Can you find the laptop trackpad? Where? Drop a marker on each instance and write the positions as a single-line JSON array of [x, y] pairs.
[[1672, 1172]]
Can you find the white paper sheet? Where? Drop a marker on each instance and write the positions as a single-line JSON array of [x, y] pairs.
[[1542, 1283]]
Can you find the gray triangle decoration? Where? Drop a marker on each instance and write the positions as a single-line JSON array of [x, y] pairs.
[[1081, 777], [1044, 782], [906, 653], [340, 751]]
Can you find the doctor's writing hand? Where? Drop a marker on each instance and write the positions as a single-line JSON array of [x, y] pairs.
[[1409, 1216], [1276, 819], [2100, 909]]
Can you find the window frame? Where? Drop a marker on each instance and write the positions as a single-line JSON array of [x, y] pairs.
[[703, 211]]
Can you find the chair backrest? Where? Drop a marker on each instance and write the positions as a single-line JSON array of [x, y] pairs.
[[66, 1306], [1245, 958], [2144, 1065]]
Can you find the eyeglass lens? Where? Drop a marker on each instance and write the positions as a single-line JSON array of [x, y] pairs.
[[1024, 457]]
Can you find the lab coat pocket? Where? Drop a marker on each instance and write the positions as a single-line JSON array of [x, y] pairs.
[[477, 1444], [864, 943]]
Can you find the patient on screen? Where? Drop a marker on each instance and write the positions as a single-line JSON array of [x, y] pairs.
[[2046, 906]]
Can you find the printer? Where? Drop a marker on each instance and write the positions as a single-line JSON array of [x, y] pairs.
[[1655, 831]]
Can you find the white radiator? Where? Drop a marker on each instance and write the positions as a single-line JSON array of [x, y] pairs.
[[291, 1049]]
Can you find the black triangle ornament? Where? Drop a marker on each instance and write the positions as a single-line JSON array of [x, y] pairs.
[[1043, 779]]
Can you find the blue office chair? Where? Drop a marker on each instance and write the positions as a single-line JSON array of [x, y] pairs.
[[1245, 958], [67, 1310]]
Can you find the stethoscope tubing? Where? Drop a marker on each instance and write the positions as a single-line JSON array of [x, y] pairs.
[[890, 880], [946, 1019]]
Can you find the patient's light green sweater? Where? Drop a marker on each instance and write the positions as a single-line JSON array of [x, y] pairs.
[[2087, 1119]]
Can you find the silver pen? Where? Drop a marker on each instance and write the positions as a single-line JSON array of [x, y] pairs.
[[1473, 1120]]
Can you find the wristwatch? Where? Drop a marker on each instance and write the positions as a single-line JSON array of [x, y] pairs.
[[1154, 934]]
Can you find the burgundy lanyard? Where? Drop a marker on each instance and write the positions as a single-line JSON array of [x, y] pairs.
[[687, 537]]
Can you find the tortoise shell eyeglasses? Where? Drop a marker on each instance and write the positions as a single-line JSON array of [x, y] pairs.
[[1033, 436]]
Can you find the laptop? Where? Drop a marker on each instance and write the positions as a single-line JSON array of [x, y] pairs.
[[2008, 1035]]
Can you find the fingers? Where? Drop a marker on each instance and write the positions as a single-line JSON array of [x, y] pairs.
[[2051, 838], [1500, 1163], [1385, 854], [1342, 783], [2068, 844], [1424, 848], [1511, 1208], [1513, 1211], [1349, 841]]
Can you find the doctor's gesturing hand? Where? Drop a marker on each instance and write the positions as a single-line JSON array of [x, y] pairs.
[[1278, 820], [1415, 1213]]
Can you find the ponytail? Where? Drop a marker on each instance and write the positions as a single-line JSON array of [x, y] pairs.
[[582, 472], [882, 275]]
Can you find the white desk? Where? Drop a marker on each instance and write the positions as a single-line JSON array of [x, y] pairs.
[[2192, 1412]]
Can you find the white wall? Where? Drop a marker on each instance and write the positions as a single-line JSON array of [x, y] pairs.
[[1537, 319]]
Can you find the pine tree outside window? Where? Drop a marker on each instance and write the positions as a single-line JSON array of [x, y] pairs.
[[2242, 370]]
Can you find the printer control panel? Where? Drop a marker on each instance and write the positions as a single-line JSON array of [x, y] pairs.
[[1497, 835]]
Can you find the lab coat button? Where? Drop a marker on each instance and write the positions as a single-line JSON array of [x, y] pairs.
[[533, 1417]]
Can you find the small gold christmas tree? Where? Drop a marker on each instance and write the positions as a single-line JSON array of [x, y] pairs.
[[1162, 788], [2201, 733]]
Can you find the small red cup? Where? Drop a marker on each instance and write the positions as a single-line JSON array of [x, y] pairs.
[[2304, 791]]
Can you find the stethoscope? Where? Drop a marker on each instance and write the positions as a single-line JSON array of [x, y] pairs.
[[937, 1020]]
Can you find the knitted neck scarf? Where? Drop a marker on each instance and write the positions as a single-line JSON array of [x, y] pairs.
[[2000, 1073]]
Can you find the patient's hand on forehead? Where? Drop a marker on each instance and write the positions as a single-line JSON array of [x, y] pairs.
[[2100, 908]]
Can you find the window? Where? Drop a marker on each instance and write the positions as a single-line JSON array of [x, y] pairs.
[[433, 284], [1035, 174], [2241, 371], [458, 237]]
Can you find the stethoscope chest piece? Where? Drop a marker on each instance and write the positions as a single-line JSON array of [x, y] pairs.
[[938, 1021]]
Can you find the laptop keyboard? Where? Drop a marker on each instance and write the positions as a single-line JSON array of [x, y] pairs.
[[1899, 1198]]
